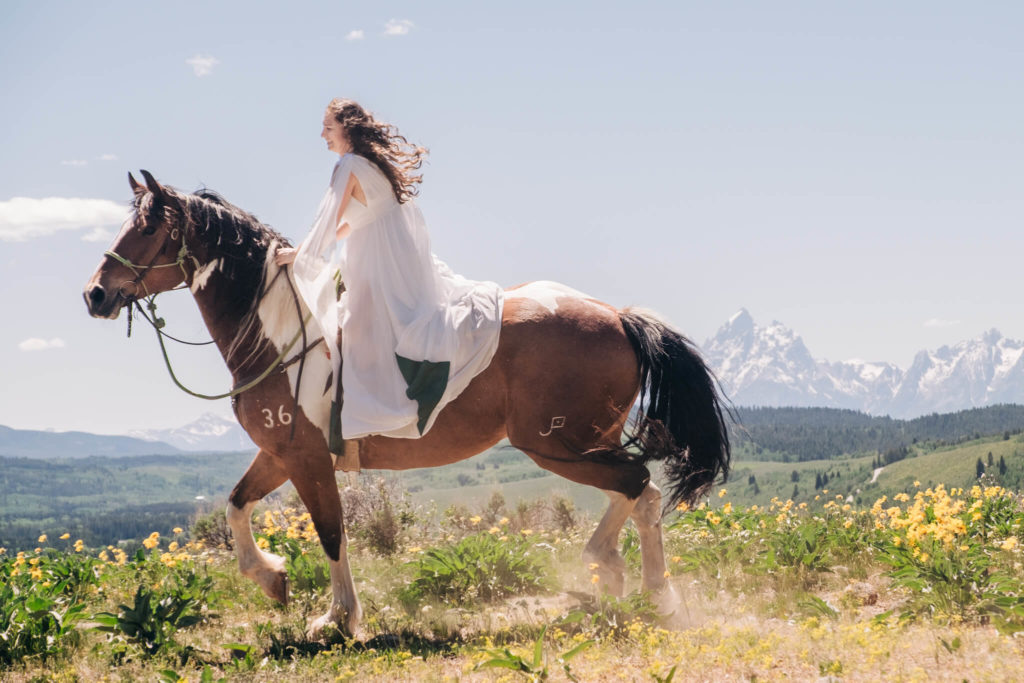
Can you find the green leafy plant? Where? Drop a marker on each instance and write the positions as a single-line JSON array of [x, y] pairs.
[[535, 668], [479, 566], [604, 616], [40, 603], [156, 614]]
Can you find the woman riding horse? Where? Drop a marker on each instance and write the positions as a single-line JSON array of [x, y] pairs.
[[560, 385]]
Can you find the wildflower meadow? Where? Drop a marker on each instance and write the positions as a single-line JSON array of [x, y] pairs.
[[924, 585]]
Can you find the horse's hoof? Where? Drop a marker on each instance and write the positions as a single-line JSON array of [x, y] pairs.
[[279, 588], [321, 626], [666, 600]]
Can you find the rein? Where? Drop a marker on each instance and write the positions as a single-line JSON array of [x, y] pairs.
[[279, 363]]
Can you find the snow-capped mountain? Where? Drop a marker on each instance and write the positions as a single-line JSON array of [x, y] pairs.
[[771, 366], [208, 433]]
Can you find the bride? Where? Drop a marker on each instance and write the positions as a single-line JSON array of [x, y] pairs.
[[413, 333]]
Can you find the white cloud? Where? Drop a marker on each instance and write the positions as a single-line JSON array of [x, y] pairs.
[[397, 27], [74, 162], [36, 344], [23, 218], [107, 157], [937, 322], [357, 34], [202, 65], [98, 234]]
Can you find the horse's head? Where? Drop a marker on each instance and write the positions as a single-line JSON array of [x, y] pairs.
[[148, 256]]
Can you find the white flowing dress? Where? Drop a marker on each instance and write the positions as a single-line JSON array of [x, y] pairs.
[[413, 332]]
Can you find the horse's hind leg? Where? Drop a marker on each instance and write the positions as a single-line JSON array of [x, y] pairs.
[[263, 476], [601, 552], [621, 482], [314, 481], [647, 518]]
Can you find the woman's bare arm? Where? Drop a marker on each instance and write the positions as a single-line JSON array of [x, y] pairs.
[[352, 190]]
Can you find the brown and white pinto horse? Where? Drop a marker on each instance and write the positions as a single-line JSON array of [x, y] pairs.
[[566, 372]]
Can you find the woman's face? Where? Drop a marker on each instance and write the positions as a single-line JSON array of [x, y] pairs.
[[334, 134]]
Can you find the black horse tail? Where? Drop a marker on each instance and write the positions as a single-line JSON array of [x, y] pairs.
[[680, 417]]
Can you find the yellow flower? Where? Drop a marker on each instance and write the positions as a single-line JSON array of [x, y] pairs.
[[494, 530], [683, 506], [677, 559], [42, 538], [474, 520], [1009, 544], [65, 536], [593, 566], [415, 549], [176, 529], [727, 508], [924, 557], [503, 521], [667, 573], [917, 484], [79, 546], [36, 573], [526, 532], [104, 556], [721, 493], [262, 543], [173, 546], [150, 543], [847, 524], [595, 579]]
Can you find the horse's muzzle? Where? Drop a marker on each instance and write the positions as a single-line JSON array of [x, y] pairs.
[[101, 303]]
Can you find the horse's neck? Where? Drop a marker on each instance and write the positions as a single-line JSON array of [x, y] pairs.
[[246, 338]]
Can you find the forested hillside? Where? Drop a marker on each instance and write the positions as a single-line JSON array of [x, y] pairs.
[[104, 499], [799, 434]]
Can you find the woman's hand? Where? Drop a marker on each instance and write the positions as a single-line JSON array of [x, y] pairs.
[[284, 256]]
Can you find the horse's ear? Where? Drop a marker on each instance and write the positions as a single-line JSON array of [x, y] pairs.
[[156, 188], [136, 188]]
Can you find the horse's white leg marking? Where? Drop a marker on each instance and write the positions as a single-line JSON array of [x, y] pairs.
[[601, 548], [345, 608], [647, 518], [266, 569]]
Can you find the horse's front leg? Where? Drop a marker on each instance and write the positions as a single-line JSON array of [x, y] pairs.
[[314, 480], [263, 476]]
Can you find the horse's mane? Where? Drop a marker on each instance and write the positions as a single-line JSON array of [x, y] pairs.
[[234, 236]]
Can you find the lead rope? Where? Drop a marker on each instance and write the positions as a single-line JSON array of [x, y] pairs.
[[158, 323]]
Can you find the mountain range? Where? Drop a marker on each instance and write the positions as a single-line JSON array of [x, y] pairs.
[[771, 366], [28, 443], [208, 433]]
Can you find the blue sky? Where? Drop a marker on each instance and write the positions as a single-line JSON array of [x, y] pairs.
[[852, 169]]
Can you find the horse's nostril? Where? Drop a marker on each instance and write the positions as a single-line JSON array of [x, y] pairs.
[[97, 295]]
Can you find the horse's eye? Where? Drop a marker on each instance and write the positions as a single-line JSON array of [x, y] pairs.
[[149, 230]]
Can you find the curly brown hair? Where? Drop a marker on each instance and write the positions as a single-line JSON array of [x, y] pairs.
[[381, 143]]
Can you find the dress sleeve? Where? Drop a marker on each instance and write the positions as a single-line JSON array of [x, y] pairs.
[[314, 266]]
